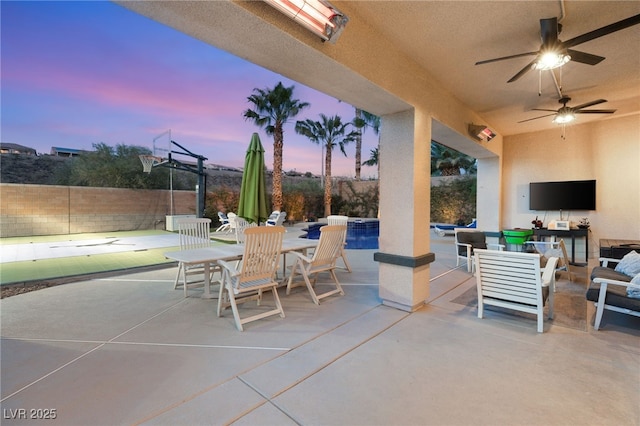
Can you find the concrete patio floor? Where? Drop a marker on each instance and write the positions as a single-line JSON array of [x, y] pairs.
[[129, 349]]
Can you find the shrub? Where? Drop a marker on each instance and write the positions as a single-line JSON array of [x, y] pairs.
[[454, 201]]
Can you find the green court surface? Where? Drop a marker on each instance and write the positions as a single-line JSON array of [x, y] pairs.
[[35, 270], [46, 269], [79, 237]]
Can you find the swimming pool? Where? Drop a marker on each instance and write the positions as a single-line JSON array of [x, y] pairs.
[[361, 234]]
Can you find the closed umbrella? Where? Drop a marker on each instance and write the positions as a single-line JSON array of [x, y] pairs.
[[253, 193]]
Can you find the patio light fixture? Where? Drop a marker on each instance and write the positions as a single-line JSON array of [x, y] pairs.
[[318, 16], [481, 132]]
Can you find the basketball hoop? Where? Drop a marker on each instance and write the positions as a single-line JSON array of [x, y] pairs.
[[148, 161]]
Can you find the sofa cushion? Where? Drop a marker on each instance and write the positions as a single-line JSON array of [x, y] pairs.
[[630, 264], [634, 292], [608, 273], [616, 296]]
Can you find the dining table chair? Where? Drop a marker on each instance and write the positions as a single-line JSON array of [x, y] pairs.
[[194, 233], [335, 219], [255, 275], [323, 260]]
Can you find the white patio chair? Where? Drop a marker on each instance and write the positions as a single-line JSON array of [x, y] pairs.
[[225, 224], [513, 280], [259, 262], [193, 233], [335, 219], [276, 218], [324, 260]]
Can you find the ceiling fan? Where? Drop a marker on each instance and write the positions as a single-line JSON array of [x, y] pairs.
[[567, 114], [554, 53]]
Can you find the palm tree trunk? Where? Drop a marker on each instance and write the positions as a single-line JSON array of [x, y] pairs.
[[277, 167], [327, 181], [358, 145]]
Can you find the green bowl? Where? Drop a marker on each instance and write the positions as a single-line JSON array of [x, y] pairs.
[[517, 236]]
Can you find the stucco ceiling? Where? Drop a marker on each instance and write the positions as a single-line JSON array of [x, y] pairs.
[[445, 38]]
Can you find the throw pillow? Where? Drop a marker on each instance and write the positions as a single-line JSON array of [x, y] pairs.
[[630, 264], [634, 292]]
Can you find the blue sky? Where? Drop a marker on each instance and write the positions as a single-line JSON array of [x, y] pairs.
[[79, 73]]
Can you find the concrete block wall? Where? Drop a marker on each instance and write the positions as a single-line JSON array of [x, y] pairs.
[[27, 210]]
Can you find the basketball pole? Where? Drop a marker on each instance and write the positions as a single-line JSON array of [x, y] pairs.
[[201, 186], [156, 150]]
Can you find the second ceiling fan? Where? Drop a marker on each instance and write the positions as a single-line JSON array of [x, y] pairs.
[[566, 114], [554, 52]]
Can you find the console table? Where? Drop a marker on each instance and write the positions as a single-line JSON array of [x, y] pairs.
[[573, 234]]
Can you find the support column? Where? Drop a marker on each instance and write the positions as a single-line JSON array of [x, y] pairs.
[[405, 179], [488, 212]]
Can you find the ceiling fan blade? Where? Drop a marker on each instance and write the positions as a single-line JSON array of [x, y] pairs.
[[584, 58], [549, 31], [595, 111], [487, 61], [588, 104], [535, 118], [522, 72], [608, 29], [540, 109]]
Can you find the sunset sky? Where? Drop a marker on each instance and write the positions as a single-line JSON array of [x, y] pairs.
[[79, 73]]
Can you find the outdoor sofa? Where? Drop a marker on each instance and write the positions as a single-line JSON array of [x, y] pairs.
[[616, 288]]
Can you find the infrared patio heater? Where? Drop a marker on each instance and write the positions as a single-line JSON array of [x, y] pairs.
[[151, 161], [318, 16]]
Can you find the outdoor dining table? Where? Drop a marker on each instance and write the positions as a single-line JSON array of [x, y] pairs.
[[230, 252]]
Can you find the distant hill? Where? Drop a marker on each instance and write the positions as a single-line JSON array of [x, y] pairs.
[[30, 169], [42, 170]]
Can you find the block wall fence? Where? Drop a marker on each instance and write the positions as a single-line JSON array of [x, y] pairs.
[[28, 210]]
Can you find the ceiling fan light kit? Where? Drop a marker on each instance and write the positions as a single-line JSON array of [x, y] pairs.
[[564, 118], [550, 60]]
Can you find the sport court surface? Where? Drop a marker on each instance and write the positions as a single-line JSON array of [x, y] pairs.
[[128, 349]]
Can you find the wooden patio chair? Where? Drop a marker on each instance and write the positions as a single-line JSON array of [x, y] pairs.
[[256, 274], [193, 233], [324, 260], [335, 219], [239, 226], [553, 249]]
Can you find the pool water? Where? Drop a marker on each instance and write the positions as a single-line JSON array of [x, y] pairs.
[[361, 234]]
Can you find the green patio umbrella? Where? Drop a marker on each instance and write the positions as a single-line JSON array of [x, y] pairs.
[[253, 193]]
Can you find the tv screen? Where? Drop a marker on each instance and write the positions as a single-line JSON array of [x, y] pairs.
[[567, 195]]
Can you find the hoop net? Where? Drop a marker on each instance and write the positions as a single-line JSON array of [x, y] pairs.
[[148, 161]]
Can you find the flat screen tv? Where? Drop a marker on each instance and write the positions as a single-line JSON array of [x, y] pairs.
[[567, 195]]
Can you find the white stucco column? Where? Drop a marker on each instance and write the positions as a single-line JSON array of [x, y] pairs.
[[405, 169], [488, 197]]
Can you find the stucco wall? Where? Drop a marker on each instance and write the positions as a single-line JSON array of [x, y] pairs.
[[607, 151], [27, 210]]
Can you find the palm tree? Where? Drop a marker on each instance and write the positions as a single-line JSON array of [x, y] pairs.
[[446, 161], [272, 109], [328, 132], [374, 158], [362, 120]]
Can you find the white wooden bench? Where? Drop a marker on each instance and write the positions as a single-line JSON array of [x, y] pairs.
[[514, 280]]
